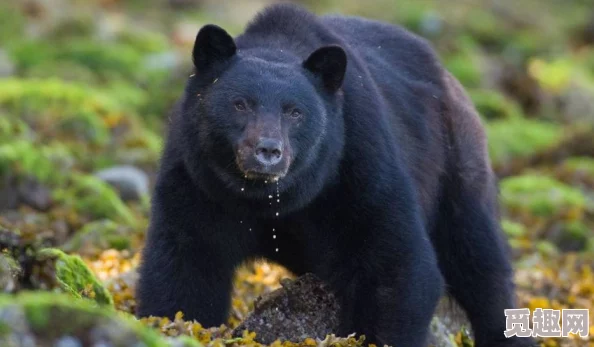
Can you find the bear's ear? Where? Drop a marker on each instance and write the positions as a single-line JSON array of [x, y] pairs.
[[328, 62], [213, 44]]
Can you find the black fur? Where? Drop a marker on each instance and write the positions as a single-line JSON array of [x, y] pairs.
[[386, 187]]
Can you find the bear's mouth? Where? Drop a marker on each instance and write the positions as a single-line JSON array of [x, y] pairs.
[[252, 170], [254, 175]]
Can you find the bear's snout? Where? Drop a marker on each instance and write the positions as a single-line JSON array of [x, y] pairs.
[[269, 151]]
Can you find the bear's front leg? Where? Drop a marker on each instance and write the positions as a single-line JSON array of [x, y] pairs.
[[390, 284], [189, 257]]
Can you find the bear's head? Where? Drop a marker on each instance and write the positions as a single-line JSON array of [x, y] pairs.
[[260, 115]]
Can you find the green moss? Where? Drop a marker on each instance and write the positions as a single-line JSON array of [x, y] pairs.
[[106, 59], [9, 270], [573, 237], [23, 158], [51, 316], [547, 248], [56, 108], [580, 166], [493, 105], [513, 229], [75, 278], [99, 235], [143, 41], [89, 195], [541, 196], [464, 62], [509, 139], [13, 21]]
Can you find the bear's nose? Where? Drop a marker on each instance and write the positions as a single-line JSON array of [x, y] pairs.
[[269, 151]]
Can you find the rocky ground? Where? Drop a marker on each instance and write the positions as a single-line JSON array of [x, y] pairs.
[[84, 91]]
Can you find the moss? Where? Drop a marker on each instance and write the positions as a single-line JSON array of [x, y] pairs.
[[51, 316], [89, 195], [493, 105], [580, 166], [541, 196], [573, 237], [509, 139], [55, 108], [513, 229], [143, 41], [74, 276], [106, 59], [547, 248], [46, 163], [9, 270], [99, 235], [463, 62], [13, 21]]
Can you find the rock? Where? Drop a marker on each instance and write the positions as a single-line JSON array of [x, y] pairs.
[[35, 194], [74, 277], [9, 272], [97, 236], [131, 183], [300, 309], [304, 308], [28, 191], [53, 319], [7, 67]]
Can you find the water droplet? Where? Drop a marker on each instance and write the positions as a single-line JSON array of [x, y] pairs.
[[240, 222], [269, 196], [274, 236], [242, 189], [276, 250], [266, 182], [250, 229], [277, 200], [273, 229], [277, 214]]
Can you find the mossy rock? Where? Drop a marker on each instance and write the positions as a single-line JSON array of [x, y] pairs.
[[531, 197], [74, 276], [97, 236], [46, 163], [577, 170], [493, 105], [106, 59], [574, 237], [58, 109], [9, 271], [89, 195], [513, 229], [520, 138], [44, 318]]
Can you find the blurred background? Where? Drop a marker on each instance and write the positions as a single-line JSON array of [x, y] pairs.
[[85, 87]]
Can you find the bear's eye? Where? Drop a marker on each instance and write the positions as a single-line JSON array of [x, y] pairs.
[[295, 113], [240, 105]]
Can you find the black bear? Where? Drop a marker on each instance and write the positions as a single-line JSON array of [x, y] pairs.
[[337, 146]]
